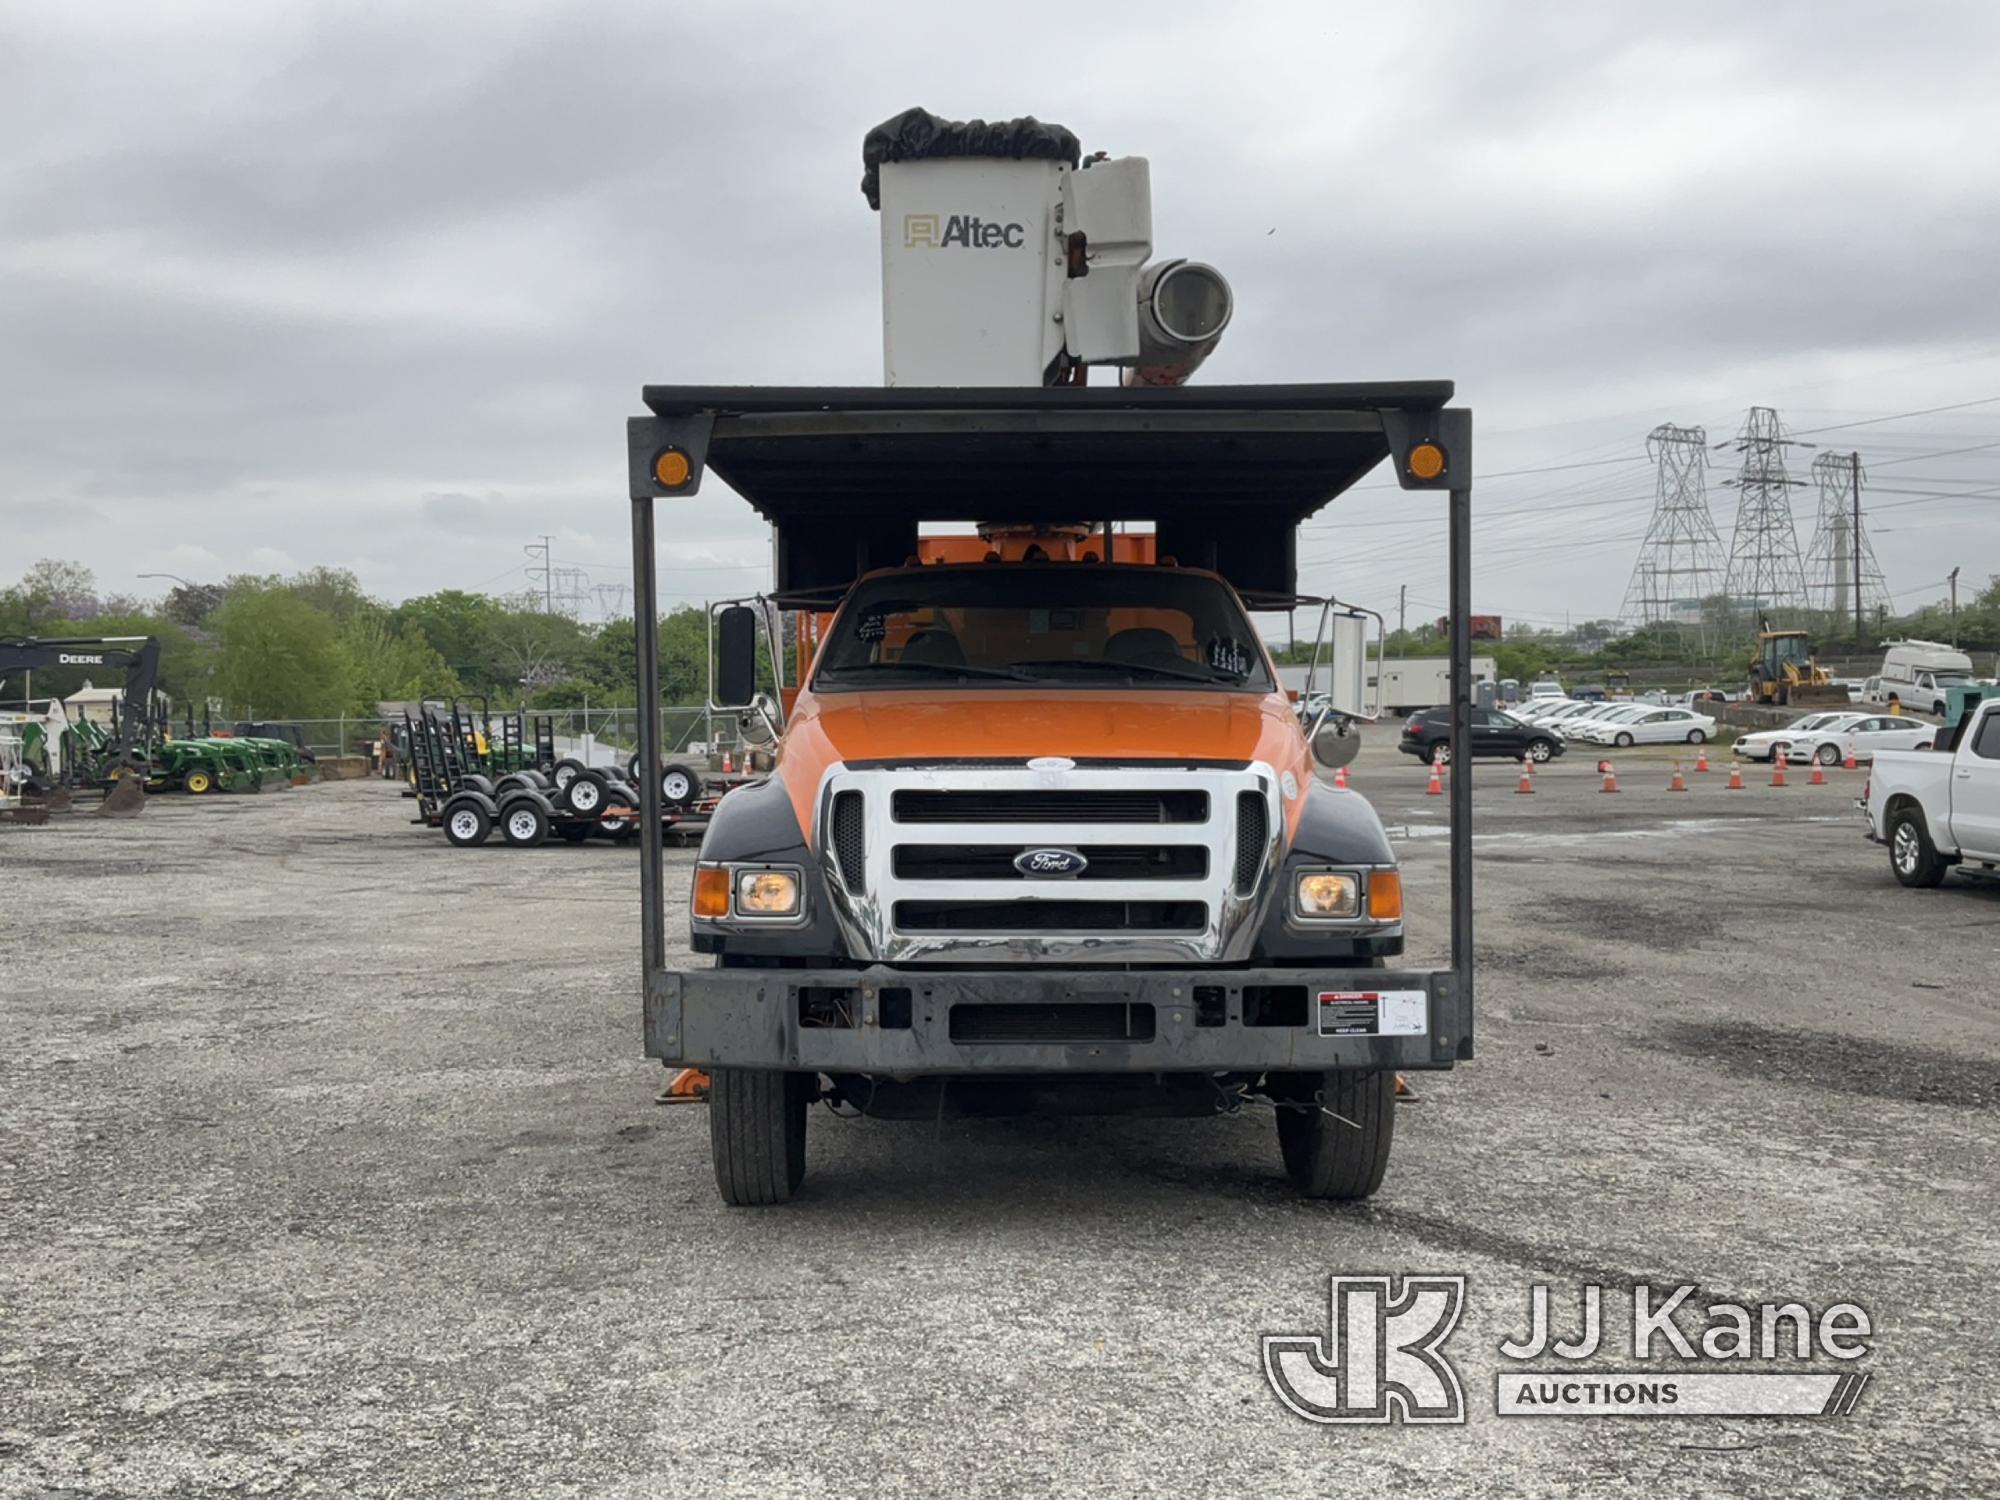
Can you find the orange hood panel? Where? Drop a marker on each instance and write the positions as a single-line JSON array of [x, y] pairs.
[[1126, 725]]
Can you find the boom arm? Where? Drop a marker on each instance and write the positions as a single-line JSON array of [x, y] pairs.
[[139, 655]]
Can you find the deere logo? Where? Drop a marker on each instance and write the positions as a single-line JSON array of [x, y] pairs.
[[66, 659], [964, 230]]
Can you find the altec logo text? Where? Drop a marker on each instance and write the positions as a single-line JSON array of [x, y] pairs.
[[966, 231]]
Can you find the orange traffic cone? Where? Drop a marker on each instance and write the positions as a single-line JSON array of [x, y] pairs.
[[1777, 770], [1701, 762], [1436, 788], [1818, 777], [727, 767], [1735, 779], [1340, 776], [1527, 777], [1610, 779], [689, 1086], [1850, 763], [1679, 783]]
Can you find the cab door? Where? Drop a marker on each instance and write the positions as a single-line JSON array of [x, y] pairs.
[[1975, 788]]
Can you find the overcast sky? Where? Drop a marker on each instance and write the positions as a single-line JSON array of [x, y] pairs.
[[375, 286]]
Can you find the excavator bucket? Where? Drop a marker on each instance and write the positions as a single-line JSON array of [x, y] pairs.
[[126, 799]]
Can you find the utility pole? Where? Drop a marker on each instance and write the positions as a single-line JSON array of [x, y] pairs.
[[548, 571], [1954, 608], [1402, 609], [1854, 544]]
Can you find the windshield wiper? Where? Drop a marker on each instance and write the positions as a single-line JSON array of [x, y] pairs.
[[1126, 668], [934, 668]]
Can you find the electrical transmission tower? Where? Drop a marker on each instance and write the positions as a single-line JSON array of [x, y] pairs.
[[1764, 569], [1842, 572], [1680, 562]]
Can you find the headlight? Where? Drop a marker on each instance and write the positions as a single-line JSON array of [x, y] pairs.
[[767, 893], [1323, 894]]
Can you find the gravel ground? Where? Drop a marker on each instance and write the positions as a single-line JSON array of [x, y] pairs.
[[329, 1165]]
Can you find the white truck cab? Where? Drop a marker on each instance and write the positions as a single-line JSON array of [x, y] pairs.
[[1918, 675], [1940, 807]]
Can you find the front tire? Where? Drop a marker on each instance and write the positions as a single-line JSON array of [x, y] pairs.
[[1697, 736], [1827, 755], [1342, 1158], [757, 1133], [1623, 742], [1541, 750], [197, 783], [1912, 855]]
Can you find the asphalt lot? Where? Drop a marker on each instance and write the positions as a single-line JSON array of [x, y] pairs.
[[329, 1166]]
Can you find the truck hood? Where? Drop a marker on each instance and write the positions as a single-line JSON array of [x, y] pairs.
[[1080, 724], [1083, 725]]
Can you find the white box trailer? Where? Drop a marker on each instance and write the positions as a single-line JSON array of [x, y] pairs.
[[1413, 682]]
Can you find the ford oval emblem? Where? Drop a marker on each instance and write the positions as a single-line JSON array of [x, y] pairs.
[[1050, 864], [1051, 763]]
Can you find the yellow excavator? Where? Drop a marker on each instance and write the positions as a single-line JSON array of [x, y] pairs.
[[1784, 671]]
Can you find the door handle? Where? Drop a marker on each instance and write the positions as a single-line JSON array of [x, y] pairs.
[[1963, 774]]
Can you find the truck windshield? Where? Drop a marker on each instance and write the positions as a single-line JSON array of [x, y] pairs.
[[1061, 624]]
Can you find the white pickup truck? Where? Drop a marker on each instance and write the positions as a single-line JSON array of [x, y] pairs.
[[1940, 807]]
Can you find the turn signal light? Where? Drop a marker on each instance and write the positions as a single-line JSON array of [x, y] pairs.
[[672, 468], [711, 891], [1385, 896], [1427, 460]]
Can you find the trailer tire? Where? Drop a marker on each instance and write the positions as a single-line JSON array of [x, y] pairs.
[[680, 786], [584, 795], [1331, 1158], [620, 818], [1912, 855], [523, 823], [466, 826], [565, 769], [757, 1133]]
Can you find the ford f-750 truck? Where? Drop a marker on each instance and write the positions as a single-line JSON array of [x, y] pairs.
[[1044, 830]]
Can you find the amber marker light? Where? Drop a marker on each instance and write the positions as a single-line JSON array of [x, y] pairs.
[[1427, 460], [672, 468], [1385, 896], [711, 891]]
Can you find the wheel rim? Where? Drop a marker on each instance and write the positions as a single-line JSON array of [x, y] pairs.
[[564, 776], [1906, 848], [522, 826], [1441, 756], [1624, 741], [583, 796], [675, 786], [197, 783], [1828, 754], [1539, 751], [464, 825]]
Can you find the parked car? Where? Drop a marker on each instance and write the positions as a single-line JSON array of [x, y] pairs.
[[1651, 726], [1704, 697], [1830, 743], [1936, 809], [1545, 687], [1764, 743], [1493, 734]]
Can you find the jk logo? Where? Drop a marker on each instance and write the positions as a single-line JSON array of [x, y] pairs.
[[919, 229], [1381, 1359]]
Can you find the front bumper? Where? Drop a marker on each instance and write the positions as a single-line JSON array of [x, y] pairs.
[[1047, 1020]]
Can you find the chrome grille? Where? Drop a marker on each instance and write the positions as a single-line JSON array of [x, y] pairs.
[[1175, 862]]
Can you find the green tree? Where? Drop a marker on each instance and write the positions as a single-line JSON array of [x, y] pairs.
[[280, 657]]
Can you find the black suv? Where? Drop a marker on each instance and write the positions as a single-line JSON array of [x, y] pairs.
[[1428, 736]]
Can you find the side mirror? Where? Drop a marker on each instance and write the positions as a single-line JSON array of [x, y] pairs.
[[735, 657], [1334, 744], [759, 723]]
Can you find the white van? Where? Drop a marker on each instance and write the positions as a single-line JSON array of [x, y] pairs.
[[1917, 675]]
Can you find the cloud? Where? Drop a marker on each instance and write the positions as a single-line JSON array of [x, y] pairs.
[[377, 288]]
